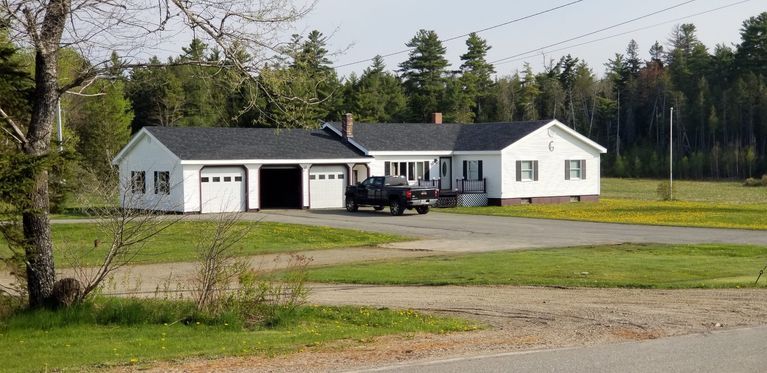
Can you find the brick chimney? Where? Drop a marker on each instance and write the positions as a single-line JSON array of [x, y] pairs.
[[347, 126], [436, 118]]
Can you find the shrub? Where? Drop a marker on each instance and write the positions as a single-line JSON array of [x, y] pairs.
[[663, 191], [764, 180], [751, 182]]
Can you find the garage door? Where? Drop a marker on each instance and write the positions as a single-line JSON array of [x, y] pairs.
[[326, 186], [222, 189]]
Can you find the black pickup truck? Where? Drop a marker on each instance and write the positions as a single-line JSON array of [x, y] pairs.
[[380, 191]]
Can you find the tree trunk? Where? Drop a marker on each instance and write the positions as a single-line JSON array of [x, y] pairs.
[[37, 227], [38, 249]]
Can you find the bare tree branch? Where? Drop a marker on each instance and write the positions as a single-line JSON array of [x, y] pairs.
[[17, 134]]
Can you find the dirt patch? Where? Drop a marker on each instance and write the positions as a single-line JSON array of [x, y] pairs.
[[518, 318]]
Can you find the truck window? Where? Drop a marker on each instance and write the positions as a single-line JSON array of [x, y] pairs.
[[379, 181]]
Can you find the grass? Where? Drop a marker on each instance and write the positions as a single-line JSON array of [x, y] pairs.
[[130, 332], [699, 204], [177, 243], [627, 265], [694, 191]]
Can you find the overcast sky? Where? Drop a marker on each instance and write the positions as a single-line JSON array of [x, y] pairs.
[[364, 28]]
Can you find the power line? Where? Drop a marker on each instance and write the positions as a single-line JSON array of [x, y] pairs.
[[595, 31], [467, 34], [627, 32]]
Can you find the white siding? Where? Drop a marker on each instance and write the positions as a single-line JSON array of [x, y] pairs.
[[149, 156], [551, 166], [253, 191], [191, 188], [491, 170]]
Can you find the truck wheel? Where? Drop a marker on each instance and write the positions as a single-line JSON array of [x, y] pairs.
[[422, 209], [378, 208], [351, 206], [396, 208]]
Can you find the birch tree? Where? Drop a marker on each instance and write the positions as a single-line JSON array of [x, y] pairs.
[[133, 29]]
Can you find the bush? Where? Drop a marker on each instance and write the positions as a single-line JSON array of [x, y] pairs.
[[663, 191], [764, 180], [751, 182]]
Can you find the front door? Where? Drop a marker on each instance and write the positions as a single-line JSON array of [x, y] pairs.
[[446, 172]]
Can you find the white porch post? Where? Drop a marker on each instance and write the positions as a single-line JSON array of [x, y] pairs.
[[254, 186], [350, 177], [305, 184]]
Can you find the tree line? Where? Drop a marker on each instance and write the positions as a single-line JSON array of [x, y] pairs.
[[719, 96]]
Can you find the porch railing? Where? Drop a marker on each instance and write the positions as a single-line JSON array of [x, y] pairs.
[[471, 186], [460, 186]]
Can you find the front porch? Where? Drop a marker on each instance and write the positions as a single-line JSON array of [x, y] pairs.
[[460, 192]]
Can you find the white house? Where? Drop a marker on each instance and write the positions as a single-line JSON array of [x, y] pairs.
[[199, 170], [540, 161]]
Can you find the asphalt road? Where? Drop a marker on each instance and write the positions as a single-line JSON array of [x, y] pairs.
[[732, 351], [470, 233]]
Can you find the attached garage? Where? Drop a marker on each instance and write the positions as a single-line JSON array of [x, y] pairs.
[[280, 187], [215, 169], [222, 189], [327, 185]]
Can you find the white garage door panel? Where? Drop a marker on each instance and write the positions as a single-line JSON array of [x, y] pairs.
[[222, 189], [326, 186]]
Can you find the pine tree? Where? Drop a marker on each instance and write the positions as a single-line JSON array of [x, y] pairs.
[[475, 76], [424, 75], [752, 51], [378, 95], [105, 127]]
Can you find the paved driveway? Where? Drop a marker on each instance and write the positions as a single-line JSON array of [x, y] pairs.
[[470, 233]]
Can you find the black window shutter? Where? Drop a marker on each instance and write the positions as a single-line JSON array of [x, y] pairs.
[[583, 168], [387, 168], [535, 170], [465, 167], [156, 182], [479, 171], [567, 169], [519, 170]]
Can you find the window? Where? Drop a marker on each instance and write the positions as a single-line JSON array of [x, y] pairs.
[[575, 169], [340, 176], [161, 182], [227, 178], [472, 170], [238, 178], [527, 170], [322, 177], [205, 179], [138, 181], [409, 170], [216, 179], [312, 177], [332, 176]]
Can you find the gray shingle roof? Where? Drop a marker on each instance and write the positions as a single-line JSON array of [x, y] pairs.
[[252, 143], [445, 136]]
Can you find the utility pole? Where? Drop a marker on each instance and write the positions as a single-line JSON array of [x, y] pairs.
[[671, 156]]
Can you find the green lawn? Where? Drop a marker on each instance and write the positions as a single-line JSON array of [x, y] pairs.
[[53, 341], [627, 265], [702, 191], [631, 201], [177, 243]]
